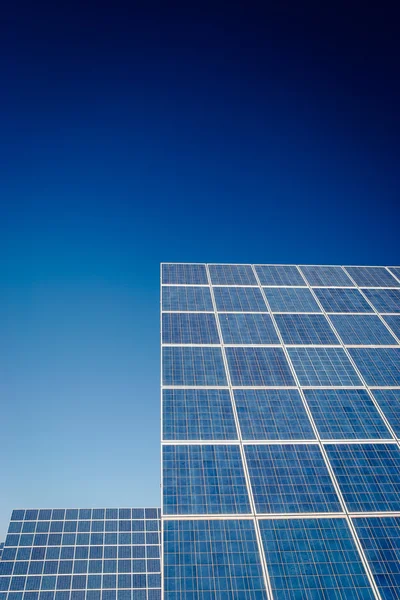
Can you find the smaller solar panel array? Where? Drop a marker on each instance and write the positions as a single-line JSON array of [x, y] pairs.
[[281, 455], [82, 554]]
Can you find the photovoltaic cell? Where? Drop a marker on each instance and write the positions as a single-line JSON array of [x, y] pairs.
[[184, 273], [380, 540], [232, 275], [313, 559], [394, 324], [362, 330], [247, 329], [203, 480], [389, 403], [323, 367], [272, 415], [395, 271], [368, 475], [384, 301], [193, 366], [291, 300], [305, 329], [233, 299], [279, 275], [322, 275], [345, 414], [186, 298], [258, 367], [197, 414], [372, 277], [189, 328], [214, 559], [289, 479], [378, 366], [342, 300]]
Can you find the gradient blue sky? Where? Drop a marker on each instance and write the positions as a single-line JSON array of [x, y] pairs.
[[131, 137]]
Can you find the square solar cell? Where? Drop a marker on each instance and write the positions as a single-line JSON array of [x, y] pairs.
[[204, 480], [193, 366], [291, 300], [384, 301], [394, 324], [362, 330], [342, 300], [198, 415], [279, 275], [231, 299], [323, 275], [380, 540], [184, 273], [372, 277], [290, 479], [313, 559], [323, 367], [345, 414], [232, 275], [389, 403], [378, 366], [189, 328], [306, 329], [258, 367], [272, 415], [184, 298], [214, 559], [247, 329], [368, 475]]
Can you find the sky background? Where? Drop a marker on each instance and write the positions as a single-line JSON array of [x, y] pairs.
[[132, 136]]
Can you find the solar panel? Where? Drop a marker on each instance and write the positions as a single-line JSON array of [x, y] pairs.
[[82, 553], [281, 400]]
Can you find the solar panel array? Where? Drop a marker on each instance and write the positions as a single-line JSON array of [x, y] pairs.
[[280, 432], [82, 554]]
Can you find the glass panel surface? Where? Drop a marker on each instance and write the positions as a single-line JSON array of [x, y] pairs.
[[378, 366], [342, 300], [279, 275], [247, 329], [372, 277], [232, 275], [189, 328], [193, 366], [362, 330], [306, 329], [184, 273], [291, 300], [258, 367], [186, 298], [323, 367], [317, 275], [234, 299]]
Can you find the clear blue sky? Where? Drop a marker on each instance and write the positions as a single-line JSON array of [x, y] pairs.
[[129, 138]]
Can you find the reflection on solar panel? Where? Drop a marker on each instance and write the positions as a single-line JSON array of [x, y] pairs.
[[97, 554], [276, 452]]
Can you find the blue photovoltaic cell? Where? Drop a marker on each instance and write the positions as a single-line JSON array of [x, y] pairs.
[[389, 403], [198, 415], [372, 277], [362, 330], [279, 275], [184, 273], [368, 475], [239, 299], [345, 414], [385, 301], [193, 366], [189, 328], [312, 558], [322, 275], [272, 415], [342, 300], [394, 324], [247, 329], [258, 367], [291, 300], [212, 560], [305, 329], [380, 540], [290, 479], [83, 557], [378, 366], [323, 367], [395, 271], [232, 275], [185, 298], [203, 480]]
